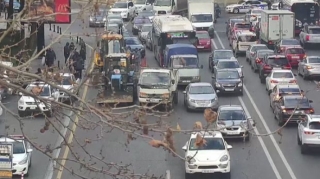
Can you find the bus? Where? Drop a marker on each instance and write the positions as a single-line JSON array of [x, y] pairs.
[[170, 29], [306, 12]]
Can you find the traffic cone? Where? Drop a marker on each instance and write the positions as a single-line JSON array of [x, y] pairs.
[[22, 175]]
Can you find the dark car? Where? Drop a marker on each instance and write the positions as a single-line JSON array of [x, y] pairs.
[[98, 19], [269, 62], [217, 10], [282, 44], [227, 81], [258, 57], [230, 23], [137, 24], [133, 43], [218, 55], [293, 107]]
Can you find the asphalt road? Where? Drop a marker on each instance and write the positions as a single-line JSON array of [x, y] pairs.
[[262, 157]]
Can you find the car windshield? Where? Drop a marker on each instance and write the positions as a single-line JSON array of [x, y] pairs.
[[163, 3], [201, 90], [155, 78], [247, 38], [132, 41], [203, 35], [296, 102], [278, 61], [139, 1], [314, 30], [314, 60], [227, 75], [18, 147], [289, 90], [120, 5], [146, 28], [262, 54], [242, 26], [255, 48], [185, 62], [231, 115], [295, 51], [314, 125], [223, 55], [228, 64], [290, 42], [282, 75], [45, 90], [201, 18], [211, 144], [113, 28]]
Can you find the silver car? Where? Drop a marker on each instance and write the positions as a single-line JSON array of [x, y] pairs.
[[145, 29], [113, 28], [252, 50], [233, 122], [229, 64], [115, 21], [98, 19], [199, 96], [310, 35], [309, 67]]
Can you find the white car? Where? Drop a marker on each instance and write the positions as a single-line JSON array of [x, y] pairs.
[[125, 8], [253, 14], [309, 132], [69, 83], [279, 76], [244, 6], [310, 35], [142, 5], [213, 157], [242, 41], [28, 105], [21, 153]]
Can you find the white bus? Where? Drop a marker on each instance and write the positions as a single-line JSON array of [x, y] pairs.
[[171, 29]]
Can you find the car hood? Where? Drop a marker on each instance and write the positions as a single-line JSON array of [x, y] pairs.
[[18, 157], [202, 24], [202, 96], [31, 99], [207, 155], [231, 123], [118, 9], [228, 81], [189, 72]]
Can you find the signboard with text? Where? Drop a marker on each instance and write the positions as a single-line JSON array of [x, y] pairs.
[[51, 11], [6, 160]]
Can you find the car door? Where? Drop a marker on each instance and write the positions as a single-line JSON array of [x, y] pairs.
[[234, 42], [301, 126], [277, 107], [186, 94]]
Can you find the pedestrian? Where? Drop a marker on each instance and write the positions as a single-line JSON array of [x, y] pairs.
[[39, 72], [50, 57], [71, 46], [83, 52], [269, 5], [66, 51], [78, 67]]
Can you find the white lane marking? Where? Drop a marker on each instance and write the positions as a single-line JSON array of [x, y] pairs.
[[283, 158], [263, 145]]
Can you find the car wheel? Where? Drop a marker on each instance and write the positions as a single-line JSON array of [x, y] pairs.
[[235, 11], [21, 113], [303, 149], [298, 140]]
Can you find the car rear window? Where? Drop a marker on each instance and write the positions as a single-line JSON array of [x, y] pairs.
[[262, 54], [295, 51], [242, 26], [278, 61], [290, 42], [282, 75], [314, 125], [289, 90], [314, 60], [247, 38], [314, 30]]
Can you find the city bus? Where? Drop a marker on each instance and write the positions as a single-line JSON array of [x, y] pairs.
[[170, 29]]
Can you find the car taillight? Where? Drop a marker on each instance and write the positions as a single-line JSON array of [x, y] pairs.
[[209, 42], [270, 42], [309, 67], [267, 67], [293, 81], [308, 133], [258, 60], [307, 37], [288, 67], [309, 111], [273, 81]]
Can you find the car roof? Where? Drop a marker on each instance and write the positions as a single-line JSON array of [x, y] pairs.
[[265, 50], [230, 107], [202, 32], [257, 45], [207, 134], [150, 25], [314, 117], [200, 84], [112, 24]]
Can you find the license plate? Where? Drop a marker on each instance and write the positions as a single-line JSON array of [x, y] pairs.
[[6, 174], [296, 57], [229, 89], [233, 133], [154, 100], [207, 171], [202, 104], [200, 46], [32, 107], [299, 112], [186, 81]]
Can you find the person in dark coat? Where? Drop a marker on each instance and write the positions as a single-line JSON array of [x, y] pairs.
[[50, 57], [66, 51], [71, 47], [78, 67]]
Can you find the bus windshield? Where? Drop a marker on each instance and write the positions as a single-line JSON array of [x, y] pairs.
[[306, 12]]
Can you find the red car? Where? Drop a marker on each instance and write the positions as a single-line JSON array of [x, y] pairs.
[[204, 40], [294, 54]]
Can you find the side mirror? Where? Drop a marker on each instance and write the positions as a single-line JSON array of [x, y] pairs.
[[20, 93], [229, 147], [29, 150], [173, 81], [213, 77], [201, 66], [310, 101], [185, 147], [184, 92]]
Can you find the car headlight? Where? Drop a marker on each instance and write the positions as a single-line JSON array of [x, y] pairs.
[[21, 102], [196, 77], [213, 100], [240, 85], [143, 95], [165, 96], [190, 160], [23, 161], [224, 158], [218, 85], [192, 100]]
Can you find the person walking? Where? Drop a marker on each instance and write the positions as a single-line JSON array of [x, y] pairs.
[[66, 52], [78, 67], [50, 57]]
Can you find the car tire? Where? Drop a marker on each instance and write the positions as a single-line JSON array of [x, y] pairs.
[[21, 113], [235, 11], [298, 140], [303, 149], [261, 78]]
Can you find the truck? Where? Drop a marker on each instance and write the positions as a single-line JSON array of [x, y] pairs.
[[201, 14], [184, 59], [170, 6], [158, 87], [276, 25]]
